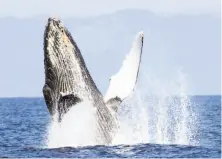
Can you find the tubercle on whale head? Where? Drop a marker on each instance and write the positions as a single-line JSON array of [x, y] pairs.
[[61, 50], [58, 43], [56, 28]]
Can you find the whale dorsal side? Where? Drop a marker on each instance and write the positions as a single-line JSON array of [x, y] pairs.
[[123, 83]]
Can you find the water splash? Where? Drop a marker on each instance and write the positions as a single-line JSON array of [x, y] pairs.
[[76, 129], [153, 114], [158, 112], [133, 119]]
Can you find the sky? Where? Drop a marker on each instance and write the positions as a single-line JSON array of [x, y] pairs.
[[22, 68], [86, 8]]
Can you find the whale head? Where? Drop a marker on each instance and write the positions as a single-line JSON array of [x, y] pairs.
[[66, 75], [59, 46]]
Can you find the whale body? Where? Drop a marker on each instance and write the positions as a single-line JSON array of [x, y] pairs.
[[68, 81]]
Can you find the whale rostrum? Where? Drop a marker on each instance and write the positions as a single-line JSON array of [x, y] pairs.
[[68, 81]]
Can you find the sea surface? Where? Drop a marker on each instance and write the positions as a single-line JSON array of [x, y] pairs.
[[24, 124]]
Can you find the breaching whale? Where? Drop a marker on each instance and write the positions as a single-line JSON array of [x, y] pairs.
[[68, 81]]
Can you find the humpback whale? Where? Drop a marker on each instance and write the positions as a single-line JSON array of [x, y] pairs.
[[68, 81]]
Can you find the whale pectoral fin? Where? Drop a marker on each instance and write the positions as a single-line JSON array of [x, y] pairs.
[[66, 102], [123, 83]]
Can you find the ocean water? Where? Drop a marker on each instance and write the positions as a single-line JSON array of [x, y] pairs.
[[192, 128]]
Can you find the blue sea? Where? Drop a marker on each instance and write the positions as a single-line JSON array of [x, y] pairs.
[[24, 123]]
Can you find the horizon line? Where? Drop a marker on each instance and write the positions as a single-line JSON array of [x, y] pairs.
[[169, 95]]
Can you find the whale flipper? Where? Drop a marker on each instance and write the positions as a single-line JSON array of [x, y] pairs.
[[122, 84], [66, 102]]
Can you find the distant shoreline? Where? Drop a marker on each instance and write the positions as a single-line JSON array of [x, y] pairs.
[[210, 95]]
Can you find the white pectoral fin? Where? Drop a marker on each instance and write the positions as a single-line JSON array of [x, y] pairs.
[[122, 84]]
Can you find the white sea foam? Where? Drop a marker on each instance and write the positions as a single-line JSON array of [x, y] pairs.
[[154, 115], [76, 129]]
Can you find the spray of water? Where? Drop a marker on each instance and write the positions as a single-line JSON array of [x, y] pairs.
[[76, 129], [158, 112], [151, 115]]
